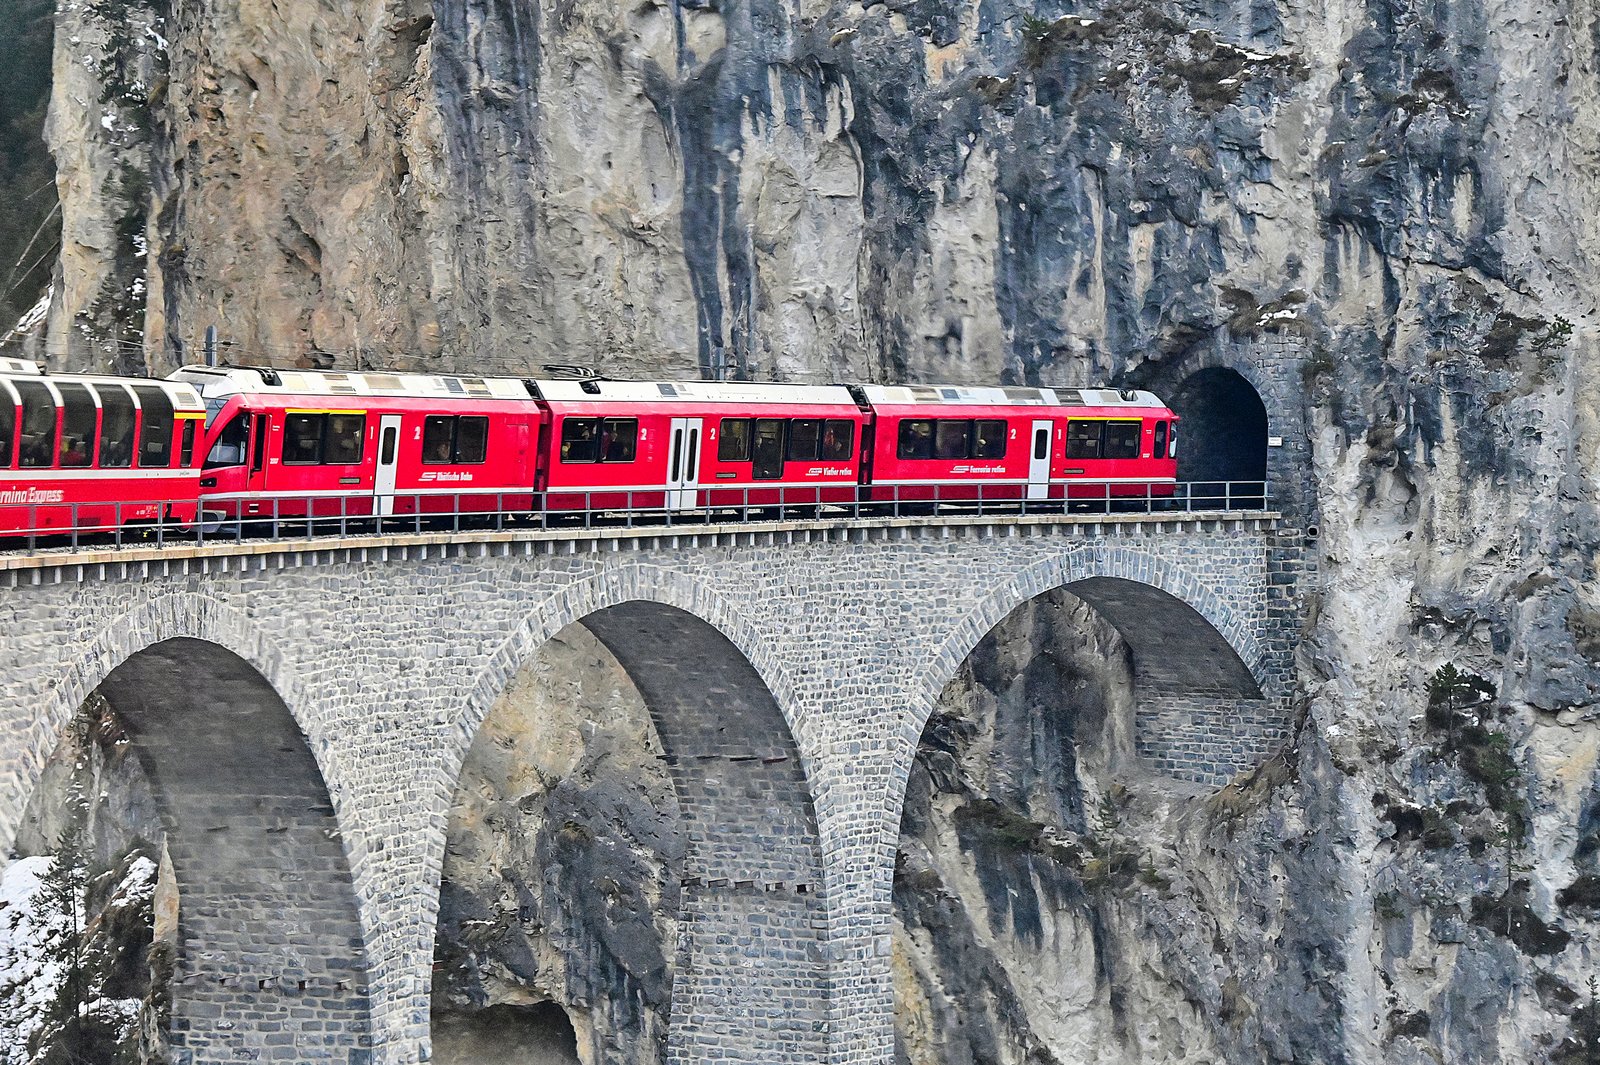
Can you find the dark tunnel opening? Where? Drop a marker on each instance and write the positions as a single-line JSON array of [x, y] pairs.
[[1222, 438]]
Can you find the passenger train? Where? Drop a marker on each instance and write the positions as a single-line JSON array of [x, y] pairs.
[[210, 444]]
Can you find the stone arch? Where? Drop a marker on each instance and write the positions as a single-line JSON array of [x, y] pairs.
[[1187, 641], [269, 926], [751, 979]]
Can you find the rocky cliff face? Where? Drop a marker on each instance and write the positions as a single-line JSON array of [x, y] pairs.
[[1399, 195]]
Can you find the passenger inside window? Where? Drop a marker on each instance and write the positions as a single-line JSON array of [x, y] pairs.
[[618, 439], [916, 440], [38, 447], [438, 440], [838, 441], [344, 439], [733, 441], [79, 425], [580, 440], [989, 440]]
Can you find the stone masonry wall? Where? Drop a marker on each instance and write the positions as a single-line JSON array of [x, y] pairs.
[[389, 657]]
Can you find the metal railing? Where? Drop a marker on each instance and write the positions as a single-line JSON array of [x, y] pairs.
[[90, 526]]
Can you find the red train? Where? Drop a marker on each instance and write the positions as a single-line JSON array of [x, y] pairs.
[[215, 443]]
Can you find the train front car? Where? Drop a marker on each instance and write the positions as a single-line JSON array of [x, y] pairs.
[[950, 443], [301, 443], [945, 443], [1114, 445], [683, 446], [94, 454]]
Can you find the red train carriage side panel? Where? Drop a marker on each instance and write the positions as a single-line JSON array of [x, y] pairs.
[[620, 445], [1116, 445], [296, 444], [960, 443], [95, 453], [936, 442]]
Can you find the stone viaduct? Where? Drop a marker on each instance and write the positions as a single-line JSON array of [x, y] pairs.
[[304, 708]]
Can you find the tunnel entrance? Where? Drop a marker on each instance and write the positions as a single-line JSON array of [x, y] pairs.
[[233, 873], [632, 840], [1222, 435]]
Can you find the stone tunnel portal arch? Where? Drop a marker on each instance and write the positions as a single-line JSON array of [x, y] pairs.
[[270, 949], [749, 980], [1222, 435]]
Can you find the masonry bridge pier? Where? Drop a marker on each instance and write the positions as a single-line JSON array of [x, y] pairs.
[[303, 711]]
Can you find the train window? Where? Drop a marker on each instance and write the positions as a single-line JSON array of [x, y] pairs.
[[186, 443], [1083, 439], [438, 440], [38, 444], [805, 439], [766, 449], [916, 440], [1172, 442], [950, 438], [386, 449], [302, 439], [116, 427], [472, 439], [838, 440], [8, 427], [155, 428], [231, 443], [580, 440], [733, 441], [989, 439], [79, 425], [343, 439], [461, 441], [1122, 440], [1160, 449], [619, 439]]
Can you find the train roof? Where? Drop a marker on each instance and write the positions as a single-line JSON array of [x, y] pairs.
[[183, 395], [230, 380], [993, 396], [568, 391]]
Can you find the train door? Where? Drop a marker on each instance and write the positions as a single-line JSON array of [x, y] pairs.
[[1039, 460], [683, 472], [388, 462]]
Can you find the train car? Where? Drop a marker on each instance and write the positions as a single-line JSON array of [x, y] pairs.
[[300, 443], [624, 445], [95, 453], [953, 443], [1114, 444]]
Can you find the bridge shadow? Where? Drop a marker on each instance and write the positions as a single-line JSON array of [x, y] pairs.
[[635, 814], [255, 888]]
